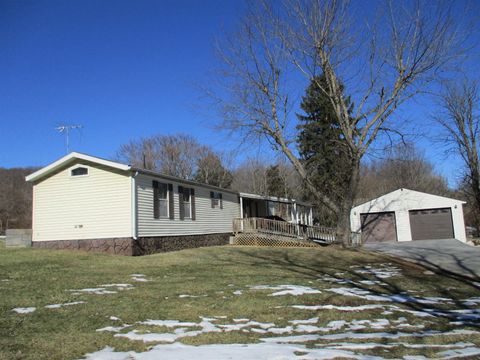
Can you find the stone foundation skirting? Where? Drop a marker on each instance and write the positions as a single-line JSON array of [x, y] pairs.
[[141, 246], [119, 246], [152, 245]]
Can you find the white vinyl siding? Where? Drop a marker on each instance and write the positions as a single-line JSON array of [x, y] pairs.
[[92, 206], [207, 220]]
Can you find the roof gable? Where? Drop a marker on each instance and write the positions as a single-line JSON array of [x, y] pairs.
[[71, 158], [402, 192]]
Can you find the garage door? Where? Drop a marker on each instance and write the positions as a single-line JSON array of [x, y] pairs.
[[431, 224], [378, 227]]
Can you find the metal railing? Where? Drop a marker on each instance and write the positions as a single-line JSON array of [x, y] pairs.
[[283, 228]]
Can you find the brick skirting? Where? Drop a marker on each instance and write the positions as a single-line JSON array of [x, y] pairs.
[[141, 246]]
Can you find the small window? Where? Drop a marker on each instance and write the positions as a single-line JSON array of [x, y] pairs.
[[163, 199], [79, 171], [187, 204], [216, 198]]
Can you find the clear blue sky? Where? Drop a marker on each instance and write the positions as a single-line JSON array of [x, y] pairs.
[[122, 69]]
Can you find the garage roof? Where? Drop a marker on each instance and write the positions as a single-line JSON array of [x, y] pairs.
[[401, 196]]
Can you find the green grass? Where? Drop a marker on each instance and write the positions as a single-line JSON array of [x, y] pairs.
[[42, 277]]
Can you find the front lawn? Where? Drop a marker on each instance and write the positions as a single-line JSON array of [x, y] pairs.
[[207, 303]]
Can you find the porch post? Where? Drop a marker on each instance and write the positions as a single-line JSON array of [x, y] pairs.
[[241, 213], [310, 216], [297, 227]]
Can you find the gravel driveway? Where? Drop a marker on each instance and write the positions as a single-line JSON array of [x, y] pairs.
[[450, 256]]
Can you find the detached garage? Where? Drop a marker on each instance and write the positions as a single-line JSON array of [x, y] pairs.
[[405, 215]]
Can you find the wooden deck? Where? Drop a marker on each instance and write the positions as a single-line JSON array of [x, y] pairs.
[[286, 231]]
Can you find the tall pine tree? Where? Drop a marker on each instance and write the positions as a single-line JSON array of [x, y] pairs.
[[322, 147]]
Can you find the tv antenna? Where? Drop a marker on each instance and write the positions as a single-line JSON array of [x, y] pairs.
[[65, 129]]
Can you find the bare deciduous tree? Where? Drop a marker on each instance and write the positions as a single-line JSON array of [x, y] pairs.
[[250, 177], [460, 121], [404, 167], [381, 65], [178, 155], [212, 171], [15, 198]]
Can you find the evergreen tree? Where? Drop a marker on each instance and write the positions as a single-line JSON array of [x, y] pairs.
[[322, 147], [275, 183]]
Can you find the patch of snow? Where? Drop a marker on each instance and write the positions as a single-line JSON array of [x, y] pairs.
[[241, 320], [57, 306], [114, 318], [286, 289], [458, 353], [339, 308], [306, 321], [471, 301], [309, 329], [335, 280], [119, 286], [168, 323], [290, 339], [265, 351], [399, 298], [139, 277], [239, 326], [183, 296], [369, 346], [112, 328], [24, 310], [382, 271], [372, 282], [237, 292], [274, 330], [397, 335], [96, 291]]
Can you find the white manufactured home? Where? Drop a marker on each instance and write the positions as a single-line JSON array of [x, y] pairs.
[[89, 203], [405, 215]]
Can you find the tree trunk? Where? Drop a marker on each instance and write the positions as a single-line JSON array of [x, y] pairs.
[[343, 215], [475, 188]]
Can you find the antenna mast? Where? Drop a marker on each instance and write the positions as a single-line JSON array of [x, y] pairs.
[[65, 129]]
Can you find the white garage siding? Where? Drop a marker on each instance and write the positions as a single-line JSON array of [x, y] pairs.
[[401, 201], [208, 220], [84, 207]]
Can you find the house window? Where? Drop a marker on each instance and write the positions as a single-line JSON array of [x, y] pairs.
[[272, 208], [163, 200], [187, 208], [79, 171], [216, 198]]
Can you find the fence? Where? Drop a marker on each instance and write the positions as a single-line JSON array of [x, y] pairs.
[[283, 228]]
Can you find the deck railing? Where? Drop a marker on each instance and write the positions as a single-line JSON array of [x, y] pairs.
[[283, 228]]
